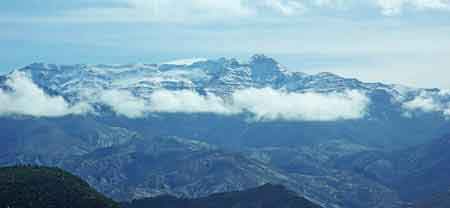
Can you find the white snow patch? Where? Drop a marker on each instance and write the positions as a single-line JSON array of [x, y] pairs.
[[185, 61]]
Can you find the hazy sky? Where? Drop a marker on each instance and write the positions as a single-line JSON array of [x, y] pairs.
[[394, 41]]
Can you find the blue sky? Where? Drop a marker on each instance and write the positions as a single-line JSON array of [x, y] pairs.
[[394, 41]]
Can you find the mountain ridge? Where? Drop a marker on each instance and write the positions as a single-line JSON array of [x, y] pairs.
[[221, 77], [268, 195]]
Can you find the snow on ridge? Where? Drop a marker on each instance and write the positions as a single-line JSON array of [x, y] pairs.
[[185, 61]]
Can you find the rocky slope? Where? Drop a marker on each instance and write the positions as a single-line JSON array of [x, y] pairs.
[[145, 168], [184, 168], [416, 173], [49, 141]]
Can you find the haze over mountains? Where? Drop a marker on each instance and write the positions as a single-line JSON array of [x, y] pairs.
[[191, 129]]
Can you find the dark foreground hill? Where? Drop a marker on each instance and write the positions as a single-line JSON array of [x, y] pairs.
[[267, 196], [40, 187]]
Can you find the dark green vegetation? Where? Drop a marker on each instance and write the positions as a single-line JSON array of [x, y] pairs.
[[41, 187], [267, 196]]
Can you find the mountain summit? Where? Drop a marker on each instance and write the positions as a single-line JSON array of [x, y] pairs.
[[264, 68]]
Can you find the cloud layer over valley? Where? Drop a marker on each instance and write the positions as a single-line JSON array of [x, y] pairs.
[[268, 104], [263, 104], [123, 103], [20, 96], [429, 102], [25, 98]]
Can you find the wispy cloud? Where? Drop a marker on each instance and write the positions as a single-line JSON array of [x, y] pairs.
[[286, 8], [192, 11], [25, 98], [395, 7], [197, 11], [167, 11]]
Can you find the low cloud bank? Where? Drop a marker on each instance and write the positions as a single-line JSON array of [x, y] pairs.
[[164, 101], [263, 104], [124, 103], [268, 104], [186, 101], [428, 102], [26, 98]]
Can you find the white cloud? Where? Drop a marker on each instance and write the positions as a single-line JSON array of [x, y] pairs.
[[124, 103], [268, 104], [234, 7], [187, 101], [395, 7], [390, 7], [190, 11], [428, 102], [262, 104], [26, 98], [198, 11], [286, 8]]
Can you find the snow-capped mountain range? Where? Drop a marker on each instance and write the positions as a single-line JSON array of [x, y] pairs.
[[215, 86], [220, 76]]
